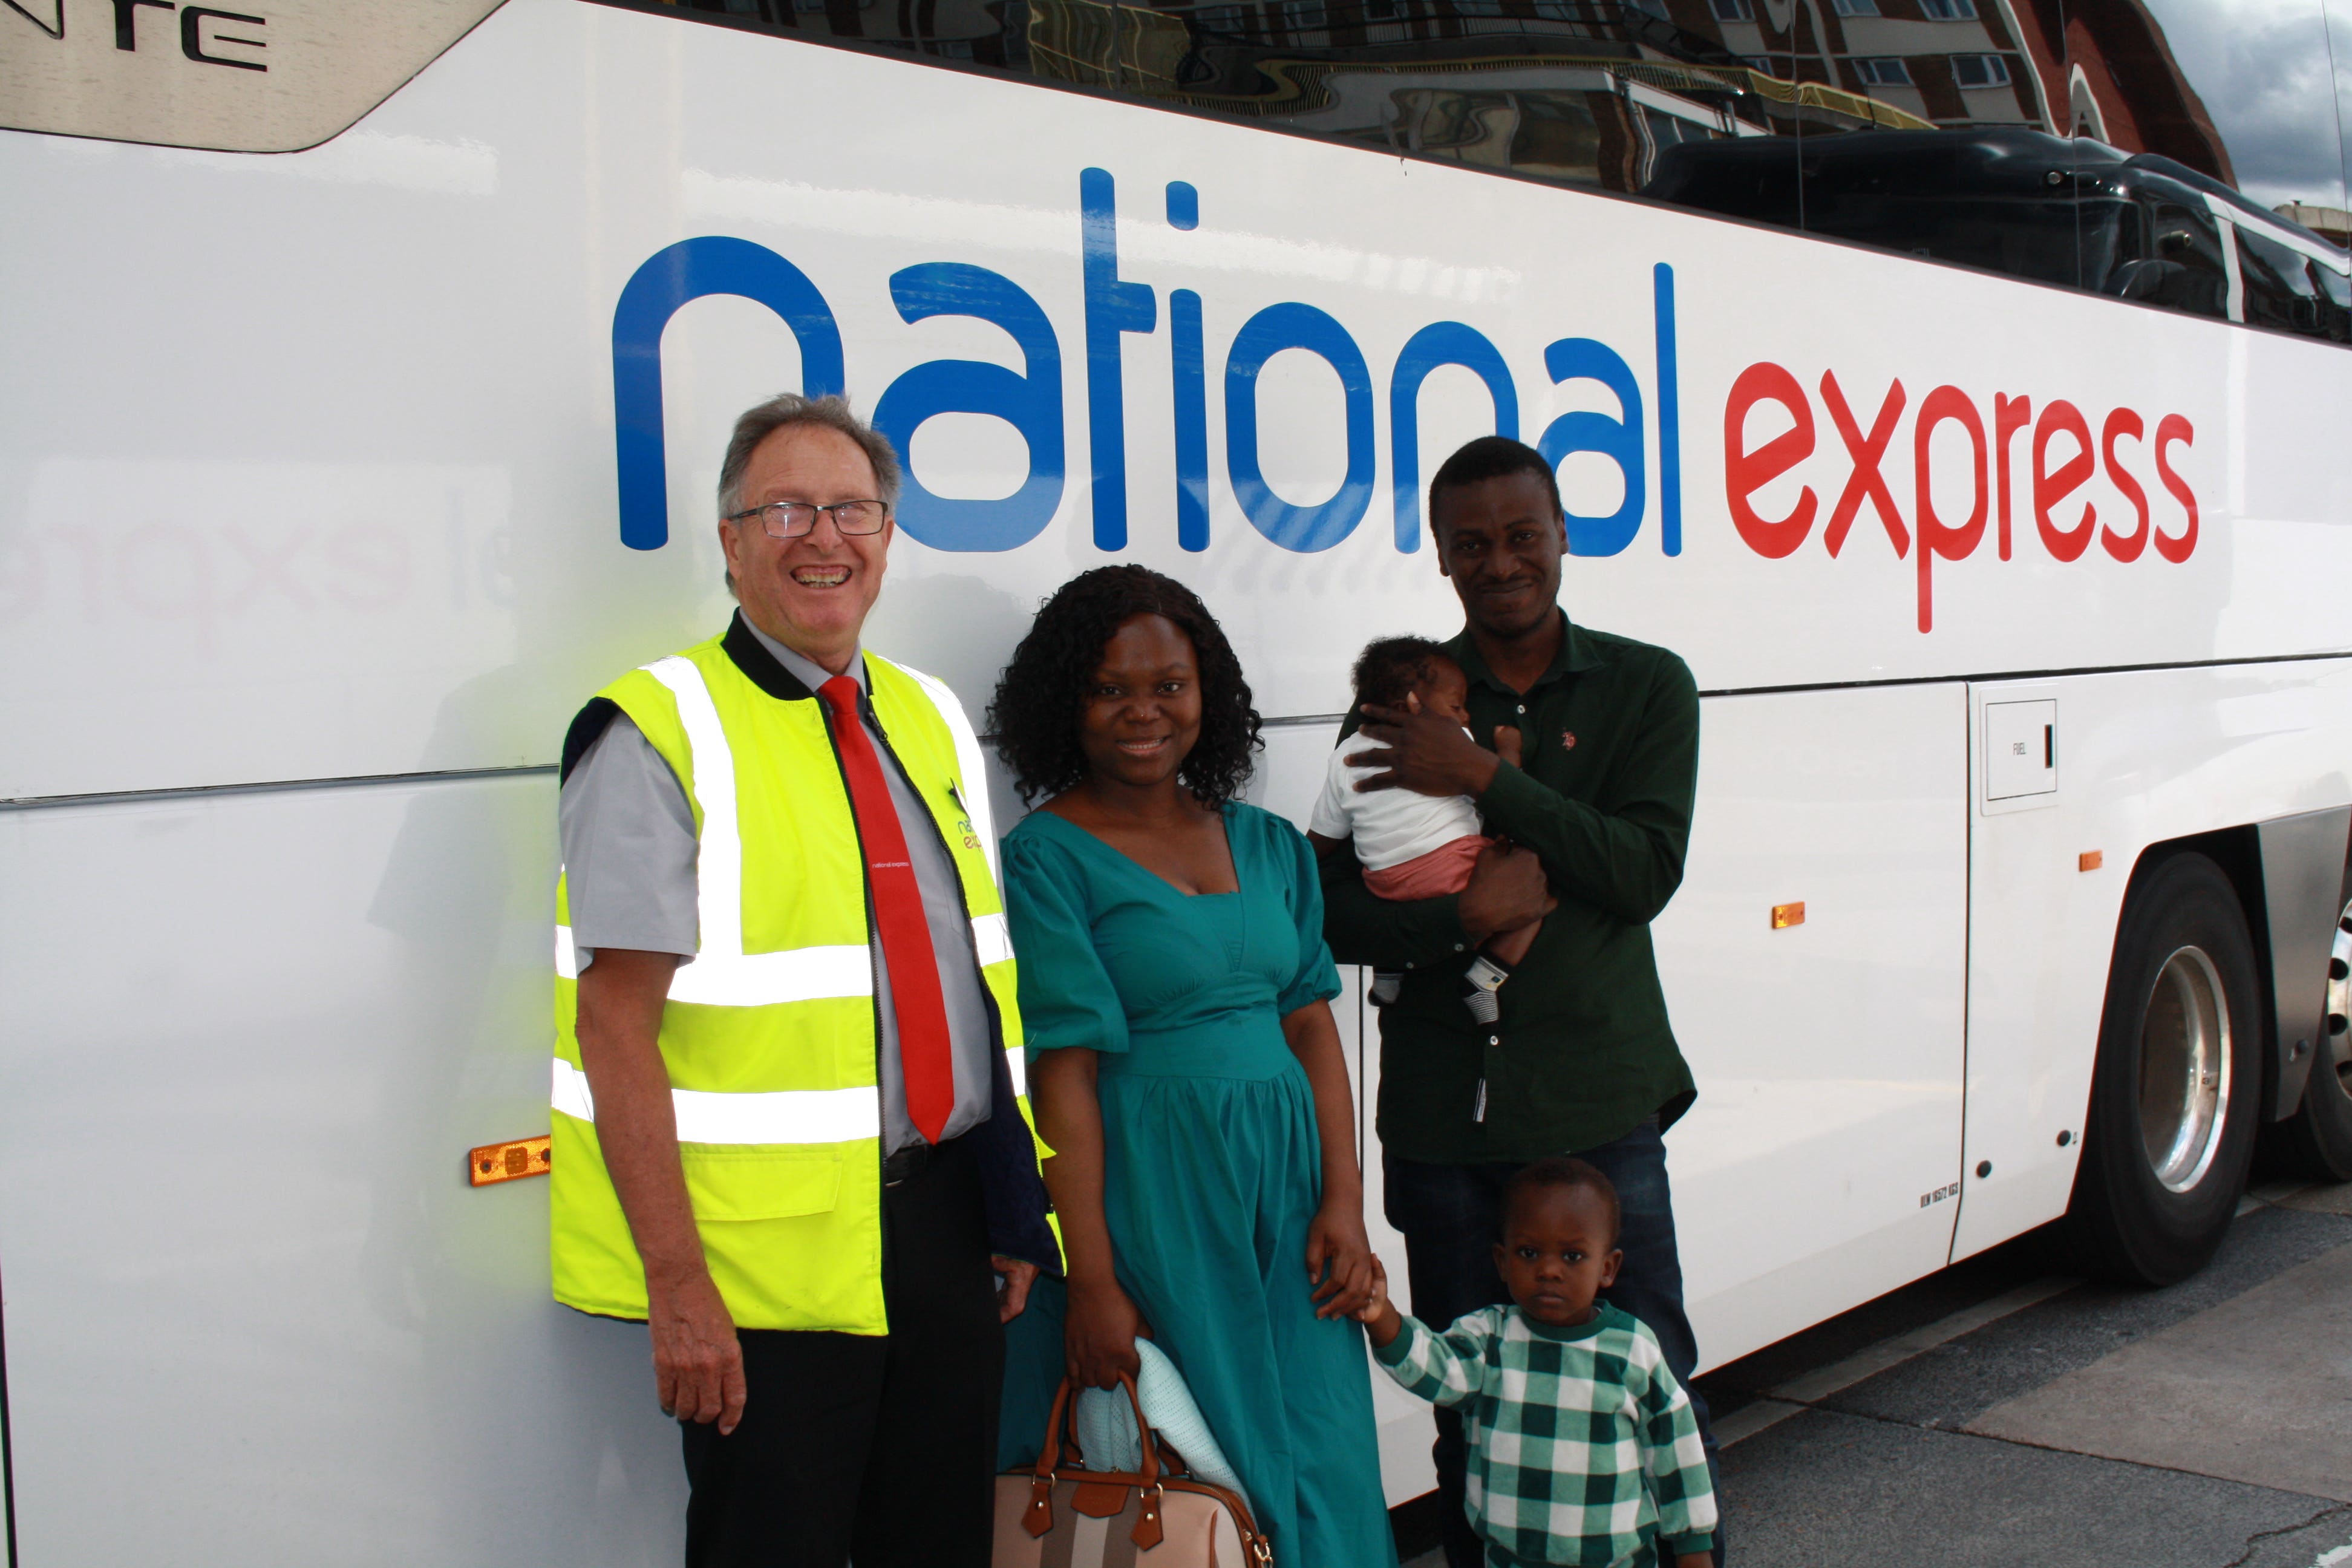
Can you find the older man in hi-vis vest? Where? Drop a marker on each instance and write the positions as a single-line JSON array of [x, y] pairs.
[[791, 1132]]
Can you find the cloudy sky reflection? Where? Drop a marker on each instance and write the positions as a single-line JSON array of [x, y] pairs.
[[2263, 69]]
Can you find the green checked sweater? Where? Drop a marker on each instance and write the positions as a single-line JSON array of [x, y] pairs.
[[1582, 1446]]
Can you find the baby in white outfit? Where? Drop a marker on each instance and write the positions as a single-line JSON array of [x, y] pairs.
[[1415, 846]]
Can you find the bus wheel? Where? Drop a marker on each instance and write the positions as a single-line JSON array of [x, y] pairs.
[[2174, 1101], [2318, 1139]]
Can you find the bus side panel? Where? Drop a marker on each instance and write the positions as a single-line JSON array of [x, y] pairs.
[[1828, 1054], [255, 1316], [2142, 758]]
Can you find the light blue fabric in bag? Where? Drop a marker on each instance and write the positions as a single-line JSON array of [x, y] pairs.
[[1106, 1423]]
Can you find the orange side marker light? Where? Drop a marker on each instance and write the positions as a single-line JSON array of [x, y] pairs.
[[2090, 861], [494, 1163], [1786, 915]]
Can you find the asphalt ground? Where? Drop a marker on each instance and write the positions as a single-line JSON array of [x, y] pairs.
[[2003, 1413]]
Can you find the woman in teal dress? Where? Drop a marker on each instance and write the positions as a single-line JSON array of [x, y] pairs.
[[1184, 1067]]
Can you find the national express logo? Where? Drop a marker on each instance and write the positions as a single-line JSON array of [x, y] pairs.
[[1031, 401]]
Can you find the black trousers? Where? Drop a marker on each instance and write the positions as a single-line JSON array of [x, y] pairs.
[[877, 1447], [1452, 1216]]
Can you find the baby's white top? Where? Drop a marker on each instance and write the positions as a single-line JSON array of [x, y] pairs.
[[1389, 826]]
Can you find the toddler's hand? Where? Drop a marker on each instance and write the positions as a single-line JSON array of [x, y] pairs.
[[1509, 744], [1379, 1315]]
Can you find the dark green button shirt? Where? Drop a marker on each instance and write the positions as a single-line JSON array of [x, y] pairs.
[[1583, 1052]]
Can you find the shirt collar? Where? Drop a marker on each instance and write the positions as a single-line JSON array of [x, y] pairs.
[[803, 668], [1577, 653], [1608, 1317]]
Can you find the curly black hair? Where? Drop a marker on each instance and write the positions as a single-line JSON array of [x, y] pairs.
[[1389, 668], [1036, 710]]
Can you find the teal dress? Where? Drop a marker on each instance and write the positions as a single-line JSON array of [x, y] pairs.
[[1213, 1168]]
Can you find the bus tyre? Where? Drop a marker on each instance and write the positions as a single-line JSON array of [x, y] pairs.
[[2175, 1097], [2318, 1139]]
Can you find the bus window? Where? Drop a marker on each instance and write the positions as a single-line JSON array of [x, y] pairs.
[[2173, 258], [2284, 288], [1984, 133]]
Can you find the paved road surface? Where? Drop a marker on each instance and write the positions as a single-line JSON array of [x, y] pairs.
[[2003, 1415]]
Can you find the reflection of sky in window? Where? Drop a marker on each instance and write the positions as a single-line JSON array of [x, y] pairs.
[[2261, 67]]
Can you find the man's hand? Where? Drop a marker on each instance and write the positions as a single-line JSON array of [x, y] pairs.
[[1507, 890], [1014, 1279], [697, 1361], [1425, 752]]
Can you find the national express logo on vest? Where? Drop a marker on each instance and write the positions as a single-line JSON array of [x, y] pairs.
[[1768, 425]]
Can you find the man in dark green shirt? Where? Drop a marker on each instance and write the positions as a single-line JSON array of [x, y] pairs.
[[1582, 1059]]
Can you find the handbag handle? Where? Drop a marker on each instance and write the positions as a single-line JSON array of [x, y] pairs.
[[1064, 1417], [1038, 1518]]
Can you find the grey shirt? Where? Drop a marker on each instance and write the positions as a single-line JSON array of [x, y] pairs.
[[629, 852]]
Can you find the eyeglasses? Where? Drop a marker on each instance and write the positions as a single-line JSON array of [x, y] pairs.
[[792, 518]]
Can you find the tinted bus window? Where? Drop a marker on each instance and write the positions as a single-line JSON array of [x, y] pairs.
[[2094, 144]]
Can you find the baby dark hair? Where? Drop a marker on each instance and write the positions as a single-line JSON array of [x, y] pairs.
[[1562, 1171], [1389, 668]]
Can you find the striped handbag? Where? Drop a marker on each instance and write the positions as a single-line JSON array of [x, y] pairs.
[[1156, 1517]]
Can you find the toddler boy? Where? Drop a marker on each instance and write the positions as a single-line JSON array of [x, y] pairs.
[[1582, 1446]]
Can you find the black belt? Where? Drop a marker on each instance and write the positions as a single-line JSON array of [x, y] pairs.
[[905, 1164]]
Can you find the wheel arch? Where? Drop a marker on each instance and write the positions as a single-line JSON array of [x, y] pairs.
[[2292, 876]]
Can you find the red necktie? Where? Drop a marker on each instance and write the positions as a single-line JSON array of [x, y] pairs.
[[923, 1056]]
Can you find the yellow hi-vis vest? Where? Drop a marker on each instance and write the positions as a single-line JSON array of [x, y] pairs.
[[770, 1034]]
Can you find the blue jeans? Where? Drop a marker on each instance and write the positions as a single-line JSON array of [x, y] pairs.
[[1451, 1217]]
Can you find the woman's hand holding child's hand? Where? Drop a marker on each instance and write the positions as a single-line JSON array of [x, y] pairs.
[[1510, 746], [1340, 1261]]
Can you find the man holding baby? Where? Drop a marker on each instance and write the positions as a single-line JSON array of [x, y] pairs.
[[1582, 773]]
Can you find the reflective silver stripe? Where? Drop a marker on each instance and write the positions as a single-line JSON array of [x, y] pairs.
[[969, 762], [572, 1096], [1016, 1061], [795, 975], [719, 852], [994, 937], [783, 1116], [760, 979]]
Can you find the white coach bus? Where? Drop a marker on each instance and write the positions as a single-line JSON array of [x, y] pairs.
[[1976, 420]]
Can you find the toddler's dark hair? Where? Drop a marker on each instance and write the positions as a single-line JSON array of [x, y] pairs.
[[1562, 1171], [1389, 668]]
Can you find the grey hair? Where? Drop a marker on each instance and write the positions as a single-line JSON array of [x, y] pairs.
[[763, 420]]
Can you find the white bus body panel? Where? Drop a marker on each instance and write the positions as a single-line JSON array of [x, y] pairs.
[[2145, 756], [1828, 1054], [255, 1316], [316, 481]]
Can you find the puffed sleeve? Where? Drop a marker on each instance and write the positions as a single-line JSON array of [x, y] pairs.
[[1294, 858], [1066, 995]]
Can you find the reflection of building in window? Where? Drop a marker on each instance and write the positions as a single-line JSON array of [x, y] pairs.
[[1882, 71], [2109, 64], [2083, 115], [2333, 224], [1949, 10], [1980, 70], [1854, 7], [1734, 11]]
